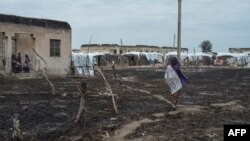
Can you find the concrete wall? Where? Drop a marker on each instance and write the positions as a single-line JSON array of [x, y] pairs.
[[38, 38], [239, 50], [124, 49]]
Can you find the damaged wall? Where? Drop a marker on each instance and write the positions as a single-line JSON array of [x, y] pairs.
[[31, 35], [117, 49]]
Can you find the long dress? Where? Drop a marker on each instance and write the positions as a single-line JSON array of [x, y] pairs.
[[172, 79]]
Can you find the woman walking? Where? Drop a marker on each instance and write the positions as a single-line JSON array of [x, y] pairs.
[[175, 80]]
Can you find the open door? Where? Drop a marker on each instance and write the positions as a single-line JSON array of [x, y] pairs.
[[24, 44]]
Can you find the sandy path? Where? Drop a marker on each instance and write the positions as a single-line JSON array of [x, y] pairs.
[[186, 109], [129, 128]]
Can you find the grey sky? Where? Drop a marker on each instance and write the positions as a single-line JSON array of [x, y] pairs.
[[226, 23]]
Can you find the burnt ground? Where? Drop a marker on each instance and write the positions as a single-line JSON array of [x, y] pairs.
[[215, 97]]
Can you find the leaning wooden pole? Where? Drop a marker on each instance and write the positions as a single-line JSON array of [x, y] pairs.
[[45, 73], [108, 88], [53, 90], [82, 108], [82, 92]]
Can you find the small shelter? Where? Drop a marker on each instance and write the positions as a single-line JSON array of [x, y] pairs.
[[135, 58], [83, 63], [154, 57], [184, 56], [231, 59], [200, 58]]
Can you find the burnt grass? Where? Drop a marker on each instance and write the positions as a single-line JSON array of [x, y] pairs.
[[49, 117]]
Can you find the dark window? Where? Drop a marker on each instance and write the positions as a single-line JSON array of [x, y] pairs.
[[114, 51], [55, 46], [1, 45], [120, 51]]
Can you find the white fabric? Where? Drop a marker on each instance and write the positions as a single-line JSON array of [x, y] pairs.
[[168, 55], [198, 56], [149, 55], [84, 62], [174, 54], [233, 58], [154, 56], [232, 54], [134, 53], [172, 79]]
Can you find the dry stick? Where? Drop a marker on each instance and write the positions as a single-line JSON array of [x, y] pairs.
[[139, 59], [16, 127], [39, 56], [139, 90], [82, 108], [44, 72], [109, 88], [82, 103], [52, 86], [113, 68]]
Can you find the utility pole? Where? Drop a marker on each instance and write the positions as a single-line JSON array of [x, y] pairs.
[[121, 42], [120, 47], [174, 41], [179, 32]]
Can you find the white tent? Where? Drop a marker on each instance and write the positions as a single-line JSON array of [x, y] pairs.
[[139, 59], [232, 58], [133, 53], [232, 54], [199, 55], [174, 54], [151, 56], [168, 55], [84, 62]]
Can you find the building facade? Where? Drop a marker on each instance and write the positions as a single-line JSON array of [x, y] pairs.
[[117, 49], [239, 50], [46, 42]]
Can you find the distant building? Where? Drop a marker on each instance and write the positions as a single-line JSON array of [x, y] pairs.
[[239, 50], [49, 38], [76, 50], [117, 49]]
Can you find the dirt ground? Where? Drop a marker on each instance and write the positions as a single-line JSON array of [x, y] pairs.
[[215, 97]]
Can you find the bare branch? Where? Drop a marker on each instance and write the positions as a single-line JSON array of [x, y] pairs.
[[108, 88]]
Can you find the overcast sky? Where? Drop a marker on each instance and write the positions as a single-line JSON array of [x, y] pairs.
[[226, 23]]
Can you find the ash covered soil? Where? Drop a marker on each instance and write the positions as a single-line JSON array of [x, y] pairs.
[[215, 97]]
